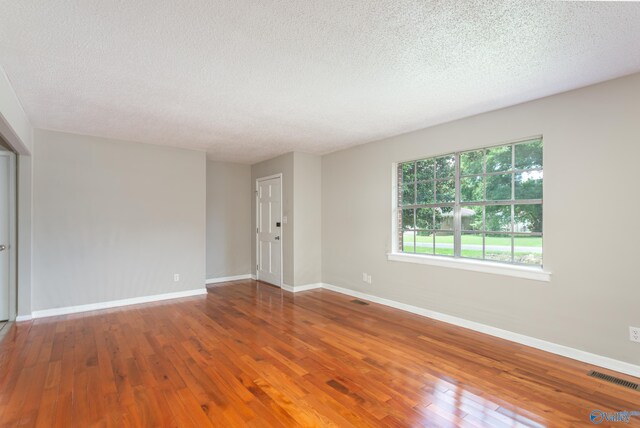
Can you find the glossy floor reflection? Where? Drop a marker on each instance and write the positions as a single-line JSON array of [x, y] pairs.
[[248, 354]]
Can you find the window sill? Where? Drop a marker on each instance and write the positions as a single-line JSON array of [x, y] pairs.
[[534, 273]]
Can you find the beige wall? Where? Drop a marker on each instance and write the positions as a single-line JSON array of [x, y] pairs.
[[114, 220], [25, 227], [301, 204], [279, 165], [591, 156], [228, 219], [307, 185]]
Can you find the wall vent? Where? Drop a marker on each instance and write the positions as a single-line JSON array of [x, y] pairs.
[[614, 379]]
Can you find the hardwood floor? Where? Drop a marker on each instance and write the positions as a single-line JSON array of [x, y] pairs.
[[248, 354]]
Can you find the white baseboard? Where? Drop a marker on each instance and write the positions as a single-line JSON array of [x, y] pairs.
[[298, 288], [565, 351], [116, 303], [554, 348], [228, 278]]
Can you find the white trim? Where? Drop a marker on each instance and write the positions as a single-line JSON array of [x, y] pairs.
[[21, 318], [116, 303], [565, 351], [269, 177], [255, 278], [527, 272], [298, 288], [228, 278], [394, 207]]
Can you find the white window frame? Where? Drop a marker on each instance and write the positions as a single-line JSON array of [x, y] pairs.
[[537, 273]]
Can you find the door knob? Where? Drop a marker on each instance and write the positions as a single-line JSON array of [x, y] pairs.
[[277, 238], [3, 247]]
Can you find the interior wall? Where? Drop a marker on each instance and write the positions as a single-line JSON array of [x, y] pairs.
[[591, 152], [307, 207], [115, 220], [279, 165], [25, 227], [228, 219]]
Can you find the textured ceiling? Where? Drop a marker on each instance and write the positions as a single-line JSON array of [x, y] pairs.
[[248, 80]]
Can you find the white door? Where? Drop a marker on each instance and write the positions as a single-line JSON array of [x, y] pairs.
[[4, 237], [269, 224]]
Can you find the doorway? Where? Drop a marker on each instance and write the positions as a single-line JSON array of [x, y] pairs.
[[269, 229], [7, 235]]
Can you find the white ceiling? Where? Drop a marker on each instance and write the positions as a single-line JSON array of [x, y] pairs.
[[247, 80]]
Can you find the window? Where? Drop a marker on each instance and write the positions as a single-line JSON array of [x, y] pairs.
[[483, 204]]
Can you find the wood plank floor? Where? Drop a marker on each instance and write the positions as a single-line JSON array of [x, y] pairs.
[[248, 354]]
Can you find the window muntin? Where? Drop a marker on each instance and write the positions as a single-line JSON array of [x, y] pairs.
[[483, 204]]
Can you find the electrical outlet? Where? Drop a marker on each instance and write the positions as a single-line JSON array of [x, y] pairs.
[[364, 276], [176, 277], [369, 279], [634, 334]]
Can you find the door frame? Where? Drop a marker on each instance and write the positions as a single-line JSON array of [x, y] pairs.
[[12, 239], [258, 180]]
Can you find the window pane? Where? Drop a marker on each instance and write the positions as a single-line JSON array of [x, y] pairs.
[[424, 170], [444, 218], [471, 218], [528, 250], [445, 191], [497, 247], [499, 159], [471, 245], [408, 194], [509, 176], [472, 162], [498, 218], [407, 219], [408, 245], [425, 193], [529, 155], [529, 185], [424, 242], [446, 166], [424, 218], [472, 189], [499, 187], [408, 172], [528, 218], [444, 243]]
